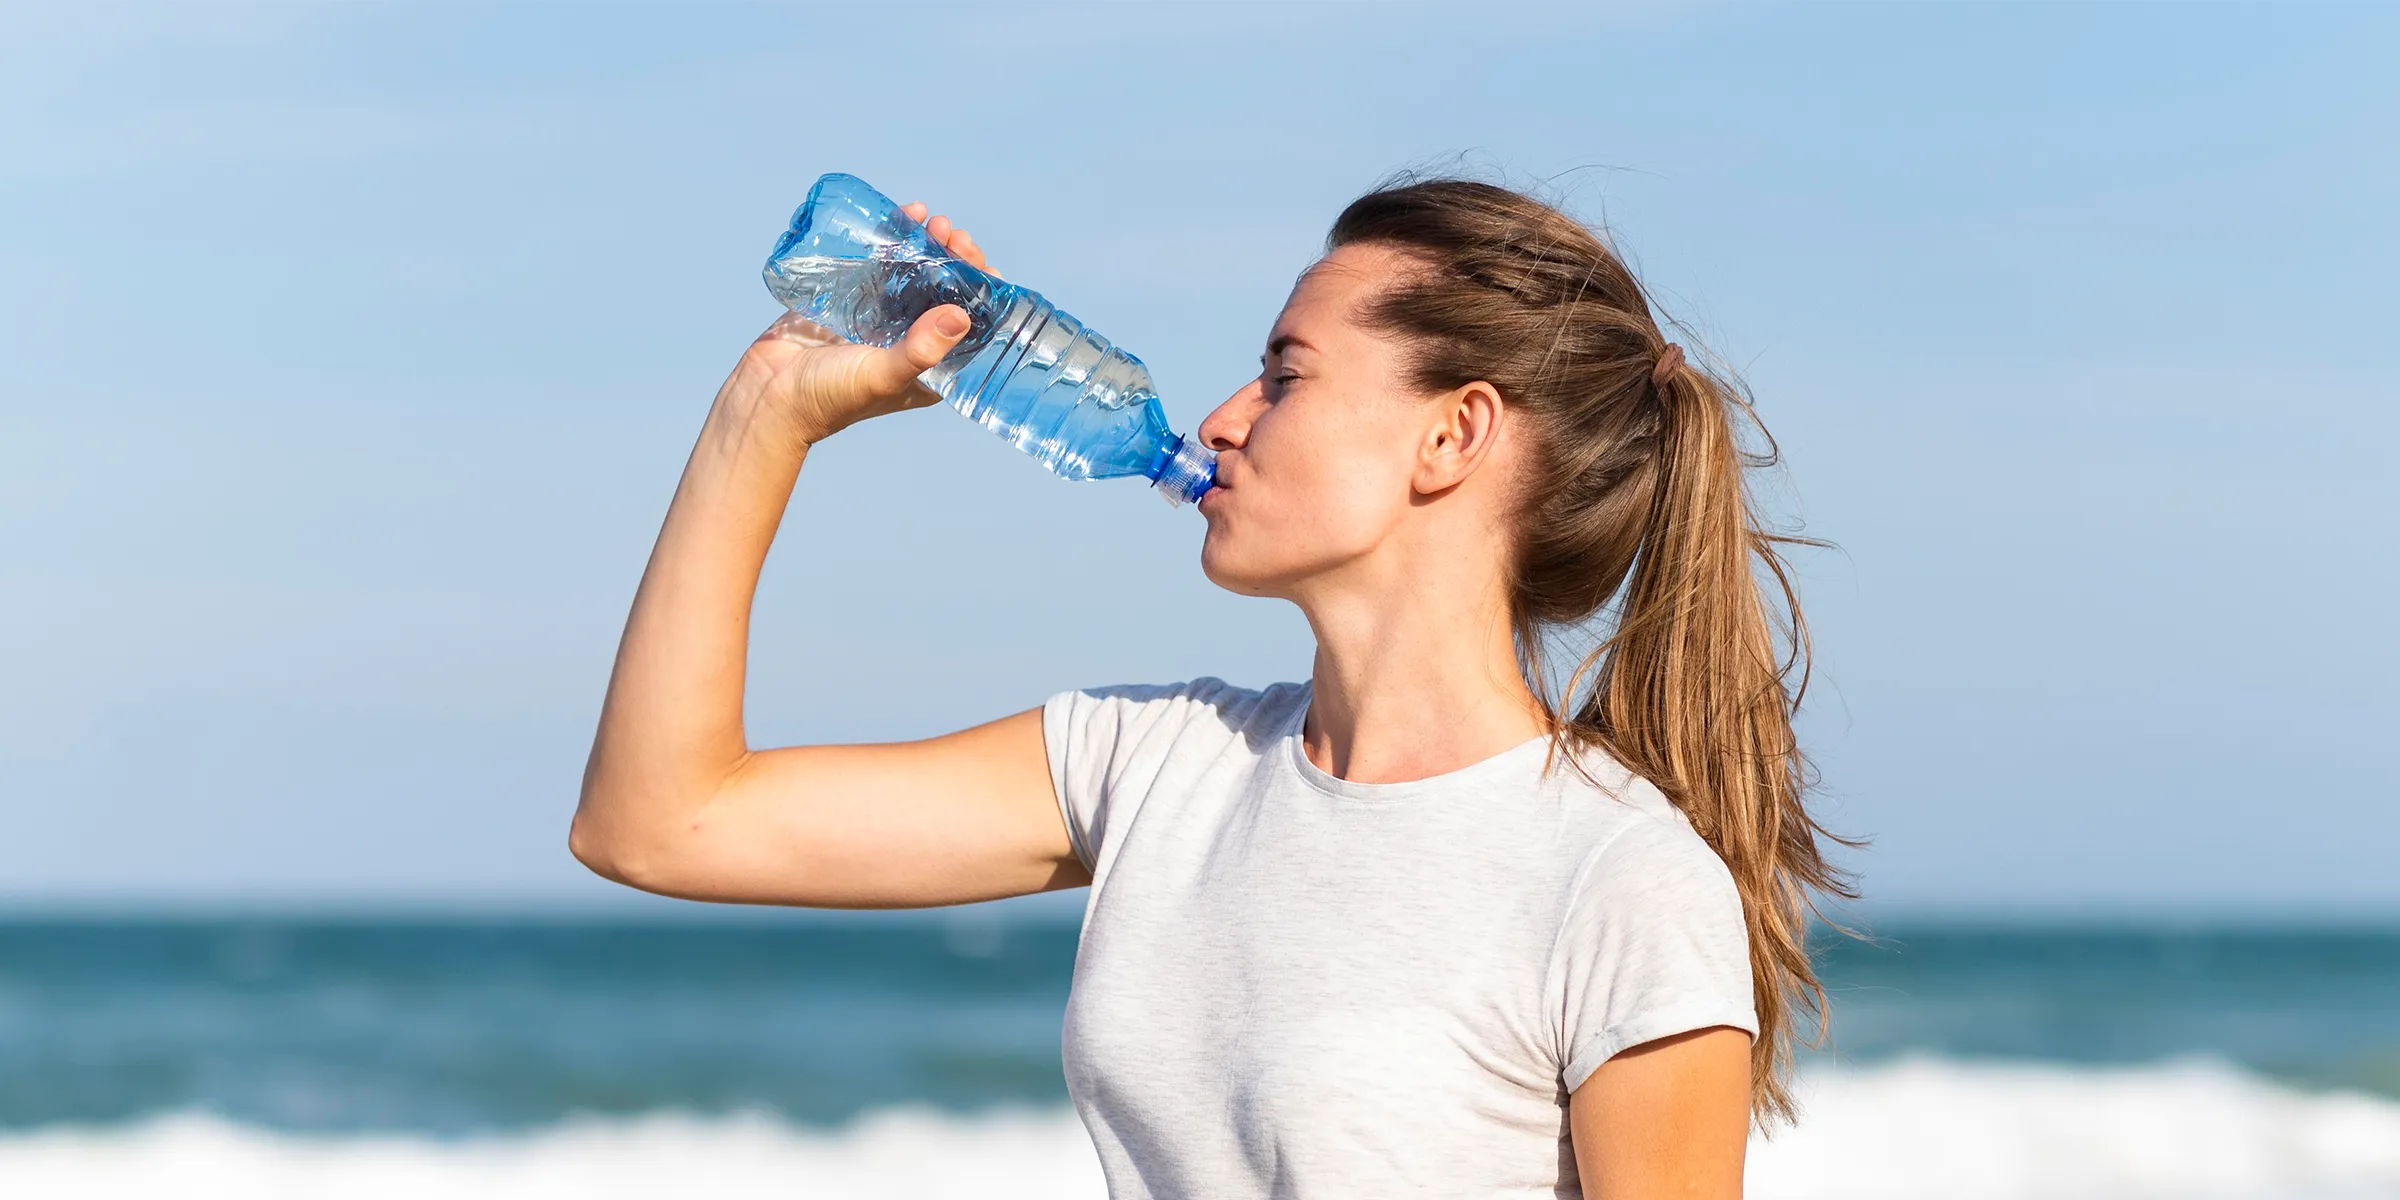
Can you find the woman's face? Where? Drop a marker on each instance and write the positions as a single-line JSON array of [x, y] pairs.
[[1316, 456]]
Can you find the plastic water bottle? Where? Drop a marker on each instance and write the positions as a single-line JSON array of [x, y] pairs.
[[857, 265]]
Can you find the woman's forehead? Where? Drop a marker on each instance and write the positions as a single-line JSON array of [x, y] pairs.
[[1331, 289]]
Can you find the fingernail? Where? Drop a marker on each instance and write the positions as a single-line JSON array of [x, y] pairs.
[[951, 324]]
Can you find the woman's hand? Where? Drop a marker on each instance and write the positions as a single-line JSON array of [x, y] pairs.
[[812, 384]]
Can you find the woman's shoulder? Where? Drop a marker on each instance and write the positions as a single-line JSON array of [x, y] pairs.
[[1631, 828], [1199, 692], [1206, 703], [1200, 689]]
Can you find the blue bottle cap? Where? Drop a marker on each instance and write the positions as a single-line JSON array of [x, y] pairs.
[[1189, 472]]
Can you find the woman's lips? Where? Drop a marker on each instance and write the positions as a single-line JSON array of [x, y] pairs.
[[1216, 482]]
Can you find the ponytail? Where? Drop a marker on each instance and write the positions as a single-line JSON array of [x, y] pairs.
[[1635, 495], [1691, 694]]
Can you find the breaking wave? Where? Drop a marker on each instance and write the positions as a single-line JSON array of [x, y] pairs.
[[2195, 1130]]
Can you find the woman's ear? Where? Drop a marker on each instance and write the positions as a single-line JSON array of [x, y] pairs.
[[1464, 423]]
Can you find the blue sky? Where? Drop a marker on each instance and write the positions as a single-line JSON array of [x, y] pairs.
[[348, 355]]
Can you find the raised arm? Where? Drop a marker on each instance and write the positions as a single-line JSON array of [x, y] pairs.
[[674, 799]]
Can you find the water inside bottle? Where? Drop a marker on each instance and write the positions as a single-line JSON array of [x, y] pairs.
[[1026, 371]]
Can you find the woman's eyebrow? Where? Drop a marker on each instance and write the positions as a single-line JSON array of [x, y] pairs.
[[1281, 343]]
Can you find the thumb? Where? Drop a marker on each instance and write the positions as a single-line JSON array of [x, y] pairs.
[[931, 338]]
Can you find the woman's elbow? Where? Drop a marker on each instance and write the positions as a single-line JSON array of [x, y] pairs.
[[594, 849], [610, 851], [646, 833]]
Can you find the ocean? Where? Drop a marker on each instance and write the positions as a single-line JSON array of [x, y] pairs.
[[899, 1057]]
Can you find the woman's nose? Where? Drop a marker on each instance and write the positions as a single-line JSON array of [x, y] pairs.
[[1229, 426]]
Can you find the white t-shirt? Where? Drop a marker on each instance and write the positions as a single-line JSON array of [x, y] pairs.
[[1292, 985]]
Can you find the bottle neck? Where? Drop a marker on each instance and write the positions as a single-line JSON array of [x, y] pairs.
[[1184, 473]]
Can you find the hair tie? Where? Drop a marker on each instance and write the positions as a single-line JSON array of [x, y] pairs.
[[1669, 361]]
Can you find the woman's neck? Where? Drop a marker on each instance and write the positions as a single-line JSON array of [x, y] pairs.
[[1416, 675]]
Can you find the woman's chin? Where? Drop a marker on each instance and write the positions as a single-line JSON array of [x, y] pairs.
[[1224, 568], [1227, 568], [1212, 562]]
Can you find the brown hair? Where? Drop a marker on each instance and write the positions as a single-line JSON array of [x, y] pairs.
[[1635, 493]]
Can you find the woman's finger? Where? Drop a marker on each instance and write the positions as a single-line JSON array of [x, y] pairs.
[[947, 235], [963, 245], [894, 369]]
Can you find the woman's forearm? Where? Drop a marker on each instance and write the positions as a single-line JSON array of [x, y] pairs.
[[670, 736], [671, 726]]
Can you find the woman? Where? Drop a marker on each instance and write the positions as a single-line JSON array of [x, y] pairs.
[[1418, 925]]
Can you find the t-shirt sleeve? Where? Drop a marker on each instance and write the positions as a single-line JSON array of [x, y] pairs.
[[1108, 745], [1653, 944]]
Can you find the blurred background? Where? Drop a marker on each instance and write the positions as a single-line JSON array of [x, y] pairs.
[[349, 354]]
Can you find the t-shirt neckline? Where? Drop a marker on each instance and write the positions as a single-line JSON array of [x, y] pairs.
[[1325, 781]]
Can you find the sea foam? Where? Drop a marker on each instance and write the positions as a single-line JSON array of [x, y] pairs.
[[901, 1152], [1999, 1131], [1915, 1129]]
